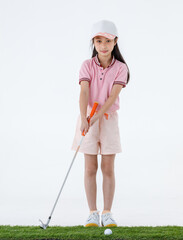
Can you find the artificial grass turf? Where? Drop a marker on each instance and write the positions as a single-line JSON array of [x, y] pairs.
[[82, 233]]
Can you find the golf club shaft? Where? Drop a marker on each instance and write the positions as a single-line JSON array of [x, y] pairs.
[[66, 177], [83, 134]]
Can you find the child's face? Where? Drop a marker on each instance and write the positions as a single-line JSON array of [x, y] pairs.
[[104, 44]]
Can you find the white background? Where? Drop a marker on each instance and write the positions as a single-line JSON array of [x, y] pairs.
[[42, 46]]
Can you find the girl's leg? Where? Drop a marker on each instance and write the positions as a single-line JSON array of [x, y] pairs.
[[91, 166], [107, 167]]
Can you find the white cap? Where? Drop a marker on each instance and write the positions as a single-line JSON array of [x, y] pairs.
[[104, 28]]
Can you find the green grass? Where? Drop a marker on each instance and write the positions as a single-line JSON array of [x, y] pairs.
[[82, 233]]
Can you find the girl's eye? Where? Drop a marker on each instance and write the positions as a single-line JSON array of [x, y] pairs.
[[100, 41]]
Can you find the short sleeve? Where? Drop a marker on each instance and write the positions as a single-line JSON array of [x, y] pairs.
[[121, 77], [84, 73]]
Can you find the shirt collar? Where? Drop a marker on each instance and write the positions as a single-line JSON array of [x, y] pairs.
[[98, 63]]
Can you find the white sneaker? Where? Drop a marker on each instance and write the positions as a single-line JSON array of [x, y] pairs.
[[107, 220], [93, 220]]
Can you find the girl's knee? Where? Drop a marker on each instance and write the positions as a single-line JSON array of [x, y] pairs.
[[107, 164], [91, 164]]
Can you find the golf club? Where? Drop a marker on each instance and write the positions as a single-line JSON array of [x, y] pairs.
[[42, 225]]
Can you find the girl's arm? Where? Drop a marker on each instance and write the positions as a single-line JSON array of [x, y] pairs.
[[83, 99], [111, 99]]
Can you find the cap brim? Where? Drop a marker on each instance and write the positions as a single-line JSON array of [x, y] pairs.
[[107, 35]]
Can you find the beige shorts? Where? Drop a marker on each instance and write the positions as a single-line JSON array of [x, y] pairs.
[[103, 135]]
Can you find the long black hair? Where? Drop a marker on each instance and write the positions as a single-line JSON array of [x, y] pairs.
[[115, 52]]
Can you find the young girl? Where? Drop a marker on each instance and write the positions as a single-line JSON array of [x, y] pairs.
[[101, 78]]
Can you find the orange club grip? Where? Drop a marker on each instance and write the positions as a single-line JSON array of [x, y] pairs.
[[95, 105]]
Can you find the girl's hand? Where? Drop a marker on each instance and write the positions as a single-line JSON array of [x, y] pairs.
[[84, 125], [93, 120]]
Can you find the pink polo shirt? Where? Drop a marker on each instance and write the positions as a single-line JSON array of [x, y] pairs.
[[102, 80]]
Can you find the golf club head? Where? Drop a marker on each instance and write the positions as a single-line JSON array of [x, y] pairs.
[[42, 225]]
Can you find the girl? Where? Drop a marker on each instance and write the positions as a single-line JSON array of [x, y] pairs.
[[101, 78]]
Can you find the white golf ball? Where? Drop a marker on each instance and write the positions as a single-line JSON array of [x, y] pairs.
[[107, 231]]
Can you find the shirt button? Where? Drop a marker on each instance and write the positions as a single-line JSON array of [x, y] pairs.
[[100, 78]]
